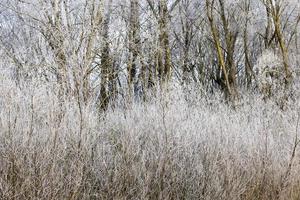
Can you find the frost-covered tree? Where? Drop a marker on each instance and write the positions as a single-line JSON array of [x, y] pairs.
[[146, 43]]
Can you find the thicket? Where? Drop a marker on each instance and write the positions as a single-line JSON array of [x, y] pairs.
[[149, 99]]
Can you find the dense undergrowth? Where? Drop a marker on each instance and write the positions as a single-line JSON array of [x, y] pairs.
[[167, 148]]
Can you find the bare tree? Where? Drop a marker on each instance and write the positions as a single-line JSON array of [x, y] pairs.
[[162, 13], [225, 54]]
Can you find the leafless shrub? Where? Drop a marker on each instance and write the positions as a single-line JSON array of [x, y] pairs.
[[165, 149]]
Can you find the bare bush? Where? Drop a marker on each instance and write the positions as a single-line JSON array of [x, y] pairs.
[[165, 149], [149, 99]]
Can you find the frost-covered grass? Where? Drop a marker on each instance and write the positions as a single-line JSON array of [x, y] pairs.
[[167, 148]]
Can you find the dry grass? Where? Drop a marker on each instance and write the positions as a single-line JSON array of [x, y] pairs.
[[165, 149]]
